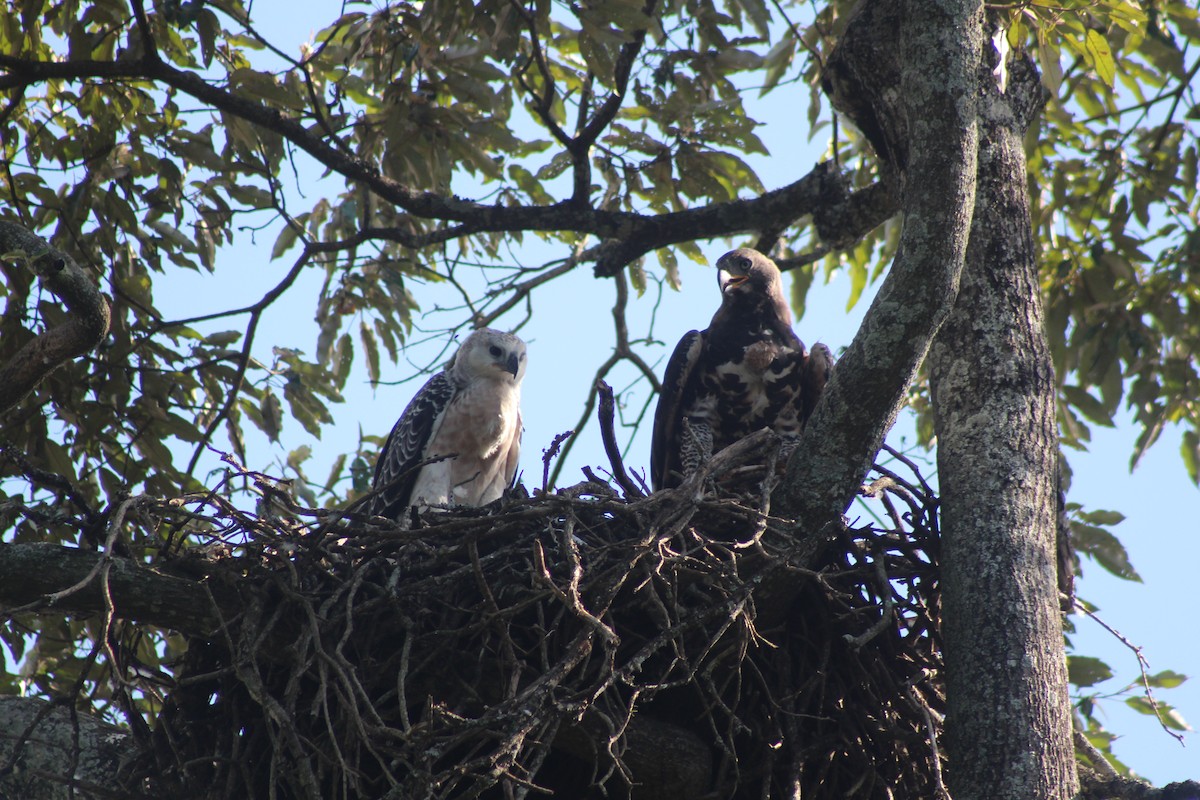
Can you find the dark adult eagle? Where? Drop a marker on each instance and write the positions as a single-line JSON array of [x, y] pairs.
[[466, 422], [748, 371]]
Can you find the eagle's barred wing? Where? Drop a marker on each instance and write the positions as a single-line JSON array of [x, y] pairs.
[[407, 445], [665, 443], [513, 454]]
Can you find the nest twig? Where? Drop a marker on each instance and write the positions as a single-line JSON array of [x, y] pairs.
[[676, 645]]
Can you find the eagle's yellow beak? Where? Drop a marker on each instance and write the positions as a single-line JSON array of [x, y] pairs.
[[734, 281]]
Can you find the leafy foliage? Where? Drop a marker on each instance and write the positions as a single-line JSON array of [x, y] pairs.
[[146, 139]]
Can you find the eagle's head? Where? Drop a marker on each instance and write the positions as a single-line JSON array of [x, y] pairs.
[[747, 271], [493, 354]]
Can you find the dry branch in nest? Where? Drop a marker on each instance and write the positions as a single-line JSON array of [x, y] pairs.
[[678, 645]]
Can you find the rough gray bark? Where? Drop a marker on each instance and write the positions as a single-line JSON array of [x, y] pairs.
[[940, 55], [993, 393], [1008, 722], [86, 327], [75, 581], [47, 752]]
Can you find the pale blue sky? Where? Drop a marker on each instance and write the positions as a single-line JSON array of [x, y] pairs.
[[1158, 500]]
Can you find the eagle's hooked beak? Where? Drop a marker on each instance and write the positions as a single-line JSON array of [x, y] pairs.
[[730, 282], [513, 364]]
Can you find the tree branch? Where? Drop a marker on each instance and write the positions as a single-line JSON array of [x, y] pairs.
[[235, 386], [84, 330], [992, 390], [32, 573], [635, 234], [940, 53]]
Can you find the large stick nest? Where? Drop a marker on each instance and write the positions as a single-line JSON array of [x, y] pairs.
[[686, 644]]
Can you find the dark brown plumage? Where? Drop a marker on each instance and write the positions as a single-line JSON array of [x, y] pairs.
[[747, 371]]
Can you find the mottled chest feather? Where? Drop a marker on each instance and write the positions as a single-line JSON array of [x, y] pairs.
[[755, 388], [748, 370]]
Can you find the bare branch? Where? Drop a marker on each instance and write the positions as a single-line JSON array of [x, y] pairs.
[[611, 448], [35, 575], [243, 364]]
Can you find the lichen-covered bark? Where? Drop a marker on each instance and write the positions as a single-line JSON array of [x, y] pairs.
[[50, 753], [1008, 720], [935, 108]]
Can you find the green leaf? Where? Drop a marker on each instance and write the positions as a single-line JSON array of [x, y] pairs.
[[802, 281], [1102, 517], [208, 27], [670, 264], [343, 359], [692, 251], [1105, 549], [1165, 714], [1189, 448], [299, 456], [1048, 57], [1173, 719], [371, 347], [1091, 408], [271, 411], [1086, 671], [556, 166], [263, 85], [335, 472], [1014, 32], [779, 58], [637, 276], [1100, 56], [858, 282], [222, 338], [1167, 679], [283, 242]]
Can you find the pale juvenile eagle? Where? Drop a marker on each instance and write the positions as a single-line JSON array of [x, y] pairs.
[[747, 371], [459, 439]]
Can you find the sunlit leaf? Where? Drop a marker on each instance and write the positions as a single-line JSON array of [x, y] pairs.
[[670, 265], [1100, 56], [1166, 679]]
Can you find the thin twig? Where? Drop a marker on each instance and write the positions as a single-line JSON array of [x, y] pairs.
[[1143, 665]]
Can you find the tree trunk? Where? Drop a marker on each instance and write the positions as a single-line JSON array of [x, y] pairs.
[[47, 752], [1008, 717], [926, 95]]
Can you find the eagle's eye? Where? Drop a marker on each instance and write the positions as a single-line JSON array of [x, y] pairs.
[[495, 351], [744, 263]]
